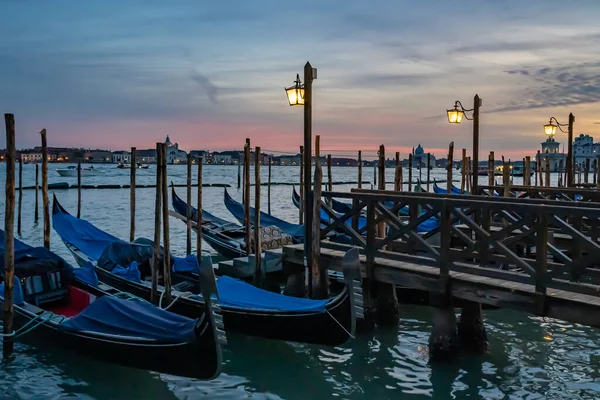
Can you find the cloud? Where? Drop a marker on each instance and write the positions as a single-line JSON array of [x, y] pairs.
[[207, 86]]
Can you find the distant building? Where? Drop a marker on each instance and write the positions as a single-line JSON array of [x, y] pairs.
[[146, 156], [97, 156], [121, 157], [222, 159], [550, 150], [31, 157], [174, 155], [420, 157], [205, 154]]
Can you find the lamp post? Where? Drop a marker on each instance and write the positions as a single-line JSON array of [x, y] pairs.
[[301, 95], [455, 116], [550, 130]]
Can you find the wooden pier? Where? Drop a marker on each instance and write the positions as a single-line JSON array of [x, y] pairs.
[[535, 255]]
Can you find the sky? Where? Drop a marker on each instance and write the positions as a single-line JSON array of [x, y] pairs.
[[115, 74]]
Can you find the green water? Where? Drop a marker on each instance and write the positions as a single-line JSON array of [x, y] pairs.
[[529, 357]]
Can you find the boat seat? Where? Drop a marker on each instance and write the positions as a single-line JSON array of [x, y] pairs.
[[271, 238], [45, 288]]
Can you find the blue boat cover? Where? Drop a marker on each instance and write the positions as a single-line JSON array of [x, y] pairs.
[[237, 209], [188, 263], [131, 273], [238, 294], [86, 274], [82, 234], [440, 190], [133, 319], [17, 291]]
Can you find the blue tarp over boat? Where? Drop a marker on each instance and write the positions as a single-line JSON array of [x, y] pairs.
[[238, 294], [237, 209], [440, 190], [131, 318], [181, 207]]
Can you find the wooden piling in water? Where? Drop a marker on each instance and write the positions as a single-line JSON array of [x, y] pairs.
[[132, 194], [9, 242], [410, 167], [37, 184], [46, 213], [506, 178], [157, 223], [20, 196], [359, 169], [449, 168], [302, 194], [491, 169], [79, 189], [247, 195], [527, 171], [428, 170], [269, 186], [199, 212], [188, 236], [166, 241], [329, 177], [547, 171], [398, 178], [597, 171], [258, 273], [318, 285], [463, 169], [539, 170], [239, 172]]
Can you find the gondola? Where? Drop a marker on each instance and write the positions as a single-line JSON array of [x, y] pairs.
[[68, 307], [237, 210], [362, 221], [225, 237], [439, 190], [245, 308]]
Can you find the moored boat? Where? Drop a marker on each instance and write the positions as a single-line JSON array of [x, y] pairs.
[[71, 170], [245, 309], [128, 166], [69, 308]]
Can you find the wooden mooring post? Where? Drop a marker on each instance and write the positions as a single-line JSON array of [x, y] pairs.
[[247, 196], [410, 168], [157, 225], [79, 189], [258, 272], [329, 177], [527, 171], [199, 213], [166, 242], [388, 310], [46, 213], [20, 196], [302, 194], [269, 187], [188, 219], [428, 169], [9, 242], [586, 171], [239, 180], [539, 170], [398, 174], [359, 169], [547, 171], [491, 169], [132, 172], [318, 285], [36, 213], [449, 168], [463, 168]]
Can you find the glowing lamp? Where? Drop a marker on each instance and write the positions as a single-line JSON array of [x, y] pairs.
[[550, 129], [455, 116], [295, 94]]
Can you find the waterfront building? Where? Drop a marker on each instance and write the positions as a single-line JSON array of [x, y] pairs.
[[97, 156], [420, 157], [121, 157], [551, 150], [174, 155], [147, 156]]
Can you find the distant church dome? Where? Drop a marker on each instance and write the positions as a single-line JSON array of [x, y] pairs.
[[419, 150], [168, 141]]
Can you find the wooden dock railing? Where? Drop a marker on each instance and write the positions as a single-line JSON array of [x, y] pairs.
[[478, 237]]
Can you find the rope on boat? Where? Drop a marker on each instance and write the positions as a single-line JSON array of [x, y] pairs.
[[341, 326], [128, 296], [38, 320], [179, 296]]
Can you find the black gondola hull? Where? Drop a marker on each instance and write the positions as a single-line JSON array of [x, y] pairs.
[[199, 359]]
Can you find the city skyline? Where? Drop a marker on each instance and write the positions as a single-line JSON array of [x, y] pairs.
[[113, 75]]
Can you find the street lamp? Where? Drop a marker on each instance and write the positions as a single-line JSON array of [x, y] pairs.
[[455, 116], [301, 95], [295, 94], [550, 130]]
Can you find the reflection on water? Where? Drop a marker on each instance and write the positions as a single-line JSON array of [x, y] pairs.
[[529, 357]]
